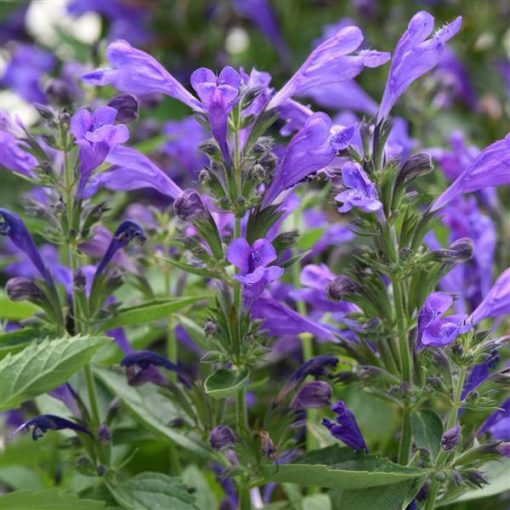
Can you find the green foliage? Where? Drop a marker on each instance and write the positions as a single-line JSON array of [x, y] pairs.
[[49, 499], [427, 430], [225, 383]]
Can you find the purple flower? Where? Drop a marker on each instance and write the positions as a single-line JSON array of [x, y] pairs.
[[12, 226], [97, 136], [433, 329], [479, 374], [136, 72], [329, 63], [41, 424], [450, 438], [189, 205], [20, 288], [252, 262], [345, 427], [312, 395], [414, 56], [218, 96], [310, 150], [221, 437], [126, 106], [496, 302], [132, 170], [24, 72], [360, 192], [314, 366], [126, 232], [294, 115], [490, 168], [14, 157], [498, 423]]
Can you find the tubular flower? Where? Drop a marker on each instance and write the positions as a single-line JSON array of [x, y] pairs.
[[41, 424], [345, 427]]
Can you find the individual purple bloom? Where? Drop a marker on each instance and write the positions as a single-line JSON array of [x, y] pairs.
[[345, 427], [490, 168], [399, 144], [450, 438], [189, 205], [496, 302], [294, 115], [414, 56], [479, 373], [222, 436], [498, 423], [184, 138], [231, 500], [433, 329], [136, 72], [119, 335], [41, 424], [218, 96], [126, 232], [96, 135], [66, 394], [263, 16], [330, 62], [126, 106], [314, 366], [312, 395], [14, 157], [360, 192], [309, 151], [13, 26], [20, 288], [132, 170], [281, 320], [13, 227], [24, 72]]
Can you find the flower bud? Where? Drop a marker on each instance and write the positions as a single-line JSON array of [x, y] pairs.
[[311, 395], [257, 173], [126, 106], [263, 145], [339, 287], [450, 438], [58, 92], [22, 289], [204, 177], [188, 205], [208, 147], [79, 279], [266, 444], [463, 248], [221, 437], [103, 434], [416, 166], [475, 477], [210, 328], [269, 162]]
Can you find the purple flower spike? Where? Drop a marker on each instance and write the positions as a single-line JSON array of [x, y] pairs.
[[218, 95], [497, 301], [12, 226], [498, 423], [479, 373], [360, 193], [345, 427], [450, 438], [415, 56], [13, 155], [135, 72], [221, 437], [309, 151], [330, 63], [126, 232], [435, 331], [314, 394], [41, 424], [490, 168]]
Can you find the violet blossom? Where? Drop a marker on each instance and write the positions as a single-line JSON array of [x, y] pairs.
[[496, 302], [312, 395], [414, 56], [41, 424], [345, 428], [13, 153], [222, 436], [498, 423]]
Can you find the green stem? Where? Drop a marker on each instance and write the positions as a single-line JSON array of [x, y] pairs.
[[244, 497], [91, 390], [241, 411], [406, 437]]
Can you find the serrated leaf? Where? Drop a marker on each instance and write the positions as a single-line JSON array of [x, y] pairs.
[[151, 491], [42, 367], [427, 430], [148, 312], [15, 341], [225, 383], [153, 410], [49, 499], [16, 310], [341, 468]]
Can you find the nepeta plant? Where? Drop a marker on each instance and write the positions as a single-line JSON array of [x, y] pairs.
[[170, 327]]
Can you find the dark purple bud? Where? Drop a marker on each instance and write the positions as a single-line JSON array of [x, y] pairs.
[[126, 106], [210, 328], [12, 226], [221, 437], [475, 477], [209, 147], [463, 248], [257, 173], [315, 366], [103, 434], [189, 205], [41, 424], [79, 279], [345, 428], [312, 395], [22, 289], [504, 449], [450, 438], [340, 287], [417, 165], [262, 146], [58, 92], [125, 233]]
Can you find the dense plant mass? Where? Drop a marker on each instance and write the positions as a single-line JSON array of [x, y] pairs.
[[242, 288]]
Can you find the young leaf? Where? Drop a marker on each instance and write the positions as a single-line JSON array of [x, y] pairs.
[[16, 310], [224, 383], [44, 366], [49, 499], [427, 430], [148, 491]]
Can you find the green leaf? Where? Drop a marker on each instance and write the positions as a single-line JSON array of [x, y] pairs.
[[16, 310], [49, 499], [151, 491], [152, 410], [195, 478], [148, 312], [390, 497], [341, 468], [316, 502], [427, 430], [42, 367], [309, 238], [199, 271], [224, 383], [15, 341]]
